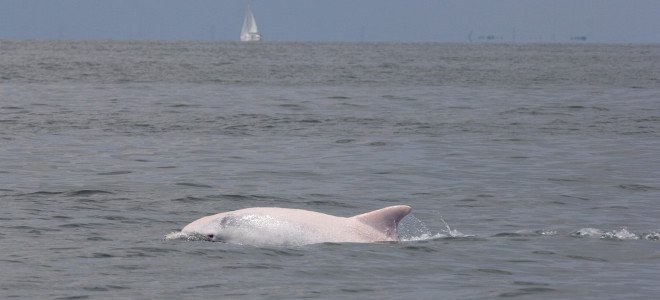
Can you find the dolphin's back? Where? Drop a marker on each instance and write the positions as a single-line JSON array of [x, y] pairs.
[[287, 226]]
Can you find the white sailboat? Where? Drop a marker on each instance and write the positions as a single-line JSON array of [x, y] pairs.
[[250, 32]]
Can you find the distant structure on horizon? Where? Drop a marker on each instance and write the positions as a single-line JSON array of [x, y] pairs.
[[250, 32], [515, 38], [580, 38]]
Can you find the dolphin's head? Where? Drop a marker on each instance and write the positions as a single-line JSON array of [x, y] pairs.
[[210, 228], [250, 228]]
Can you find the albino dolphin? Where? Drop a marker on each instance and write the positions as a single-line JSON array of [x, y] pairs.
[[286, 226]]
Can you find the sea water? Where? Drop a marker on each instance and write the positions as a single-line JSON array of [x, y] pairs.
[[533, 169]]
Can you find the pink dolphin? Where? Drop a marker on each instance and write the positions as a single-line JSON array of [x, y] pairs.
[[285, 226]]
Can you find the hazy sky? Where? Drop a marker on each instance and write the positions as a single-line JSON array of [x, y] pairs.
[[624, 21]]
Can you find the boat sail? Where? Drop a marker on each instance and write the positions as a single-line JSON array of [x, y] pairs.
[[249, 32]]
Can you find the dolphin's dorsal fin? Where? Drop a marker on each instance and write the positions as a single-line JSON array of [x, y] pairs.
[[385, 219]]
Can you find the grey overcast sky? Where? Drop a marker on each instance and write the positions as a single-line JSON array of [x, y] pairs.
[[609, 21]]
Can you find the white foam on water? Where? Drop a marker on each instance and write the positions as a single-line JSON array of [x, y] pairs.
[[616, 234]]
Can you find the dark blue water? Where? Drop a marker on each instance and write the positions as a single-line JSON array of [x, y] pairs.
[[542, 160]]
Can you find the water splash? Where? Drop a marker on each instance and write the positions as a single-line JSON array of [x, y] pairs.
[[452, 232], [178, 235], [549, 232], [412, 229], [652, 236], [621, 234], [617, 234]]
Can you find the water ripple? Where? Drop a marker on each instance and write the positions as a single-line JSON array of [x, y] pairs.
[[87, 193], [526, 291]]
